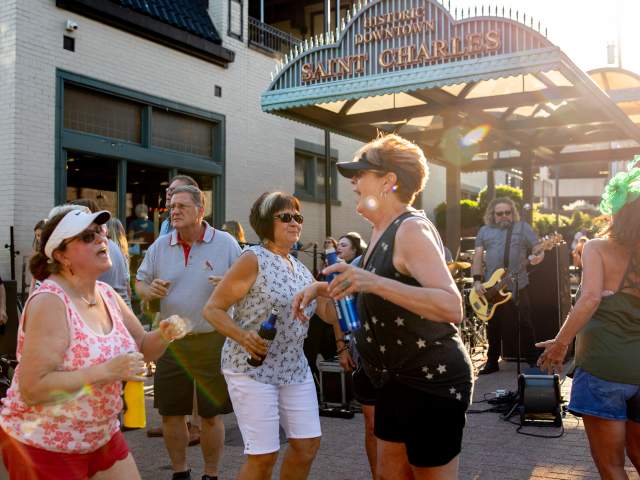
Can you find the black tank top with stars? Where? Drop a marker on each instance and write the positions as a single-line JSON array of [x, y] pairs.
[[396, 343]]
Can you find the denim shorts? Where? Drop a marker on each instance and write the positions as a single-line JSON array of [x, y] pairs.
[[591, 395]]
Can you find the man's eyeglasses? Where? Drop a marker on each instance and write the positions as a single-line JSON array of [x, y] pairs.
[[287, 217], [503, 213]]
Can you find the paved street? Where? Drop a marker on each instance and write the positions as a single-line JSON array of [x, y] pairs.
[[492, 449]]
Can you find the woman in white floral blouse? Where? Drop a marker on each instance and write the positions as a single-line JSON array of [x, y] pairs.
[[280, 391]]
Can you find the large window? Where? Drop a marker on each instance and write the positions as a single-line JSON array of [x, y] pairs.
[[310, 172], [182, 133], [120, 147], [105, 115]]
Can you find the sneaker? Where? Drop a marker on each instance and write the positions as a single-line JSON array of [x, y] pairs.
[[154, 432], [186, 475], [488, 368]]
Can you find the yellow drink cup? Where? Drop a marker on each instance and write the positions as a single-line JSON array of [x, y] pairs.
[[134, 414]]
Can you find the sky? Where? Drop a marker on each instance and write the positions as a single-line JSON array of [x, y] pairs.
[[581, 28]]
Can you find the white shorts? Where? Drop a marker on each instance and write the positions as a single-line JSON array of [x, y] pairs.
[[261, 407]]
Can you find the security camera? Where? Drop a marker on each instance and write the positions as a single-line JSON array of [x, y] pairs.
[[71, 26]]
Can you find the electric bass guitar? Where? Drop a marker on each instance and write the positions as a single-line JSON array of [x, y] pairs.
[[495, 294]]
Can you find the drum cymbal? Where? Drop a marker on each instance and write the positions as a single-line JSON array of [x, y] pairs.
[[453, 266]]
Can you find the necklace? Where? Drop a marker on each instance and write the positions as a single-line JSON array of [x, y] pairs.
[[90, 303]]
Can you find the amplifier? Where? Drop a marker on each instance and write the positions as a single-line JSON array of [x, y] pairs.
[[550, 295], [9, 331], [335, 384]]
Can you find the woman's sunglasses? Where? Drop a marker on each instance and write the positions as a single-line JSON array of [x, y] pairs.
[[89, 235], [287, 217]]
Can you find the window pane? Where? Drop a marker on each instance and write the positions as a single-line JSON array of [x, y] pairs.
[[301, 177], [106, 115], [93, 177], [182, 133], [320, 177], [304, 164], [144, 204]]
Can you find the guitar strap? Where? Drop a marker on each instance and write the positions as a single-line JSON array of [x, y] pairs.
[[507, 248]]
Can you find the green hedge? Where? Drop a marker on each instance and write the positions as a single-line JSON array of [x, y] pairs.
[[543, 223], [471, 215], [500, 191]]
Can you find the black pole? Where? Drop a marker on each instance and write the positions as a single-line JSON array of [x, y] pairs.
[[557, 192], [315, 260], [327, 183], [12, 252], [327, 144]]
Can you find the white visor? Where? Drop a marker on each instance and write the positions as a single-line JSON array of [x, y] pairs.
[[74, 223]]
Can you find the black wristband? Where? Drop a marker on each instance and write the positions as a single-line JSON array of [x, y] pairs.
[[477, 278]]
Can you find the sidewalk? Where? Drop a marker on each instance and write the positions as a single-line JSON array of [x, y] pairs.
[[492, 449]]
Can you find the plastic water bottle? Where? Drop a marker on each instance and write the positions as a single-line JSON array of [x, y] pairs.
[[346, 307], [267, 332], [134, 414]]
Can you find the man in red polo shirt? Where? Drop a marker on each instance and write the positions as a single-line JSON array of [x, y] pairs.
[[176, 270]]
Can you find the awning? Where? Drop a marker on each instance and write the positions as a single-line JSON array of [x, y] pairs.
[[484, 92], [495, 85]]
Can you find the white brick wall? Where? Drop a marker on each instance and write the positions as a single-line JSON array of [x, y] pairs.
[[7, 125], [259, 147]]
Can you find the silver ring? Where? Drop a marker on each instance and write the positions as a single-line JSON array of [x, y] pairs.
[[345, 284]]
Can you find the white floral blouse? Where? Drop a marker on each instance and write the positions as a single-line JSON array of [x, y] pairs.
[[277, 283]]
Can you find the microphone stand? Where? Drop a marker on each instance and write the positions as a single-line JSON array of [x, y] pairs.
[[516, 302]]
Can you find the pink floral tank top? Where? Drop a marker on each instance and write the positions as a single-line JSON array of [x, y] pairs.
[[87, 420]]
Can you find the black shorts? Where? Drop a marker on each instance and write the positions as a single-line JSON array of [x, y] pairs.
[[195, 358], [429, 426], [363, 389]]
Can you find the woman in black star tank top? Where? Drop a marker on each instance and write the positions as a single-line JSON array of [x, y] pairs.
[[408, 305]]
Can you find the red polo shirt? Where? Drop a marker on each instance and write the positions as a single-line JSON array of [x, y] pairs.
[[186, 248]]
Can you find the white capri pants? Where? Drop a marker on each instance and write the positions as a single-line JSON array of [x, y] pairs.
[[260, 408]]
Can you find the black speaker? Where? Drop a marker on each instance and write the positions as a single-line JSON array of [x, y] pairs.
[[9, 332], [539, 399], [550, 293]]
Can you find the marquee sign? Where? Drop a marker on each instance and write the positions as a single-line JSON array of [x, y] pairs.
[[382, 36]]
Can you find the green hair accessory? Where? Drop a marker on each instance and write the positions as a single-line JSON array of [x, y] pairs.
[[623, 188]]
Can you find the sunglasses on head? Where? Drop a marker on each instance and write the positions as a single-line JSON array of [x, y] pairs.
[[503, 213], [287, 217]]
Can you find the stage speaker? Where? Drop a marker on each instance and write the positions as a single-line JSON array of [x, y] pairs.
[[550, 297], [335, 384], [539, 399], [9, 331], [550, 293]]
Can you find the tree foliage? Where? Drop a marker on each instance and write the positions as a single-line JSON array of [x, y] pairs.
[[471, 216], [500, 191]]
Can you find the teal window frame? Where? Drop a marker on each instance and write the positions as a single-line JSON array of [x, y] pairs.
[[144, 152], [316, 152]]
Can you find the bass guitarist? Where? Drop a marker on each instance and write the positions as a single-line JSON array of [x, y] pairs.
[[507, 241]]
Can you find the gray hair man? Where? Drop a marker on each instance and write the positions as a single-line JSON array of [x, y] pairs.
[[177, 270], [175, 182]]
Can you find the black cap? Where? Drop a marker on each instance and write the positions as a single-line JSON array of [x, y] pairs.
[[349, 169]]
